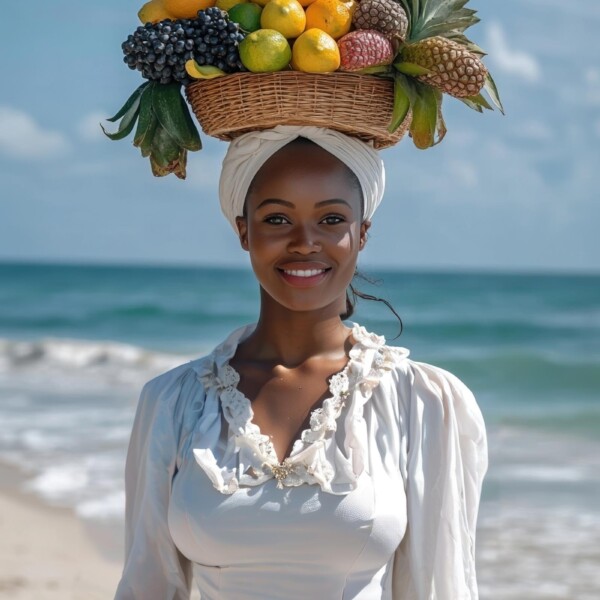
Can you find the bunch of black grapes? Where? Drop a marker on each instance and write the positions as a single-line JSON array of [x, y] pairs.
[[160, 50]]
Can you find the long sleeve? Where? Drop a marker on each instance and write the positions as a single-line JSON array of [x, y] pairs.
[[154, 568], [445, 465]]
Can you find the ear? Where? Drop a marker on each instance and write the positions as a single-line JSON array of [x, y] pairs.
[[242, 226], [364, 227]]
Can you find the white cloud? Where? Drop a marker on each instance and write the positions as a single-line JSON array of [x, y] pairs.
[[89, 126], [22, 137], [464, 173], [535, 131], [508, 59]]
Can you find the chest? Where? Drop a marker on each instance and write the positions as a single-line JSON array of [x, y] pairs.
[[299, 525]]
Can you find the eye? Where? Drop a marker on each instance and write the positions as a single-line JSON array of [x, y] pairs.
[[333, 219], [276, 220]]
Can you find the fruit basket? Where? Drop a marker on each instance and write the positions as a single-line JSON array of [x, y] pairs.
[[358, 105], [373, 69]]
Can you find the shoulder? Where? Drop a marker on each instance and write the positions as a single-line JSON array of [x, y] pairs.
[[426, 393], [174, 392]]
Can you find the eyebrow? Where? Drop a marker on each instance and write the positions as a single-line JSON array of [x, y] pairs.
[[291, 204]]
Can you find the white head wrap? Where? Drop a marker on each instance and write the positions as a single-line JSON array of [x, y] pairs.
[[249, 152]]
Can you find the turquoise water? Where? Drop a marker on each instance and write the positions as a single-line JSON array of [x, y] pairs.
[[78, 342], [529, 345]]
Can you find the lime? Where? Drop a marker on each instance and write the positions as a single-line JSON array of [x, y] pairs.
[[246, 15], [265, 51]]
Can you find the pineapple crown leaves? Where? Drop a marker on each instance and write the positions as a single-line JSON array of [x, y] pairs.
[[448, 18], [165, 130]]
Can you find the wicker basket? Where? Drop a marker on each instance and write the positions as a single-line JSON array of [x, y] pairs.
[[358, 105]]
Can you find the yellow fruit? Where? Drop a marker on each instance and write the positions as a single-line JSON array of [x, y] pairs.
[[265, 51], [331, 16], [187, 9], [305, 3], [153, 12], [315, 52], [197, 71], [228, 4], [285, 16], [261, 2], [352, 6]]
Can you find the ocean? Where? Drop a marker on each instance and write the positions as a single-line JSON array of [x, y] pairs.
[[78, 342]]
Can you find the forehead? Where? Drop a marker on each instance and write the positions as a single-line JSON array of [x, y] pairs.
[[304, 171]]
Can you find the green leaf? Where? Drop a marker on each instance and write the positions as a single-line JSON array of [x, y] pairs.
[[378, 70], [401, 104], [146, 117], [145, 144], [471, 104], [127, 121], [480, 101], [440, 126], [165, 149], [425, 117], [133, 98], [174, 115], [411, 69], [492, 90]]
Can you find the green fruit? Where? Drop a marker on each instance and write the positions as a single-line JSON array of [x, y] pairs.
[[246, 15], [265, 51]]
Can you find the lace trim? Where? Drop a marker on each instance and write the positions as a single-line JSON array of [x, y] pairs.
[[308, 462]]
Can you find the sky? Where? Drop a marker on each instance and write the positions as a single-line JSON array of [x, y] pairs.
[[500, 193]]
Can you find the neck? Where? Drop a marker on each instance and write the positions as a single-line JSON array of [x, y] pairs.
[[292, 337]]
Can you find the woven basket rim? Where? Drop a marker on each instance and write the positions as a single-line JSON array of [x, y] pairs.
[[354, 104]]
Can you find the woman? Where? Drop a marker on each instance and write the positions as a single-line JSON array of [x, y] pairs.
[[303, 458]]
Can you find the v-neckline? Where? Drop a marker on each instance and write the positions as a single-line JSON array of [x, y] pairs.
[[337, 389], [320, 456]]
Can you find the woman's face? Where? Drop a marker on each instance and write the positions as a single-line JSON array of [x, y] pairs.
[[303, 228]]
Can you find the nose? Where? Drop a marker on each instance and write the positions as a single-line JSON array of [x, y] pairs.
[[304, 239]]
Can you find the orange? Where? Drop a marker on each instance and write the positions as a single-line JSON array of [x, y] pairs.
[[331, 16], [153, 12], [186, 9], [315, 52]]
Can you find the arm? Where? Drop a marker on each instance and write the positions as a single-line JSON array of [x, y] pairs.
[[446, 463], [154, 568]]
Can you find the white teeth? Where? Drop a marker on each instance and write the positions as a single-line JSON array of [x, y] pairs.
[[310, 273]]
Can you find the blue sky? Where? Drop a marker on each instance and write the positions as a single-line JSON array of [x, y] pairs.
[[515, 193]]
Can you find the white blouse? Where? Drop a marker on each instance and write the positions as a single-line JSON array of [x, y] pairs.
[[378, 499]]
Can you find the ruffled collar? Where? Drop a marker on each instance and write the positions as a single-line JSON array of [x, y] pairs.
[[315, 457]]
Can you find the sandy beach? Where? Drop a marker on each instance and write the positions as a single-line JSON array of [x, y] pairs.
[[47, 553]]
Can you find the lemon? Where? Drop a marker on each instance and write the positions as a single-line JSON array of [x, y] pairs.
[[285, 16], [265, 51], [246, 15], [315, 52], [228, 4], [153, 12], [332, 16], [305, 3], [186, 9]]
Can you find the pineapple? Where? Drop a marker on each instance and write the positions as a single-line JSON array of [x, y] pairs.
[[451, 67], [362, 49], [386, 16], [438, 58]]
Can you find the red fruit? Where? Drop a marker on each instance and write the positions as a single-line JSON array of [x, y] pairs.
[[364, 48]]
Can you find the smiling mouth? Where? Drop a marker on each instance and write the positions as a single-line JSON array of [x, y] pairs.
[[304, 272]]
